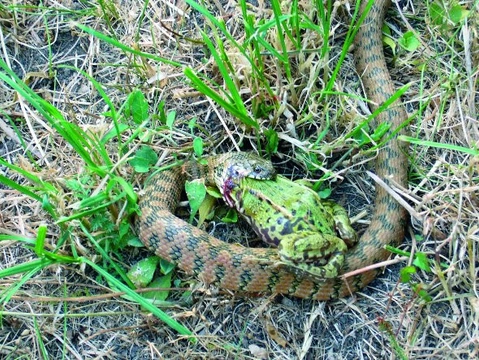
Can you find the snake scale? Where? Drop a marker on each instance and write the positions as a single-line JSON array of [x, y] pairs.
[[238, 268]]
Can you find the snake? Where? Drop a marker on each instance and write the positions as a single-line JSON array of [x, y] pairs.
[[252, 270]]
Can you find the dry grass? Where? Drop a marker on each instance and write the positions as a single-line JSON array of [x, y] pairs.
[[69, 310]]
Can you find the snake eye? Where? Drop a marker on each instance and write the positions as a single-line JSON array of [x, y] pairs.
[[258, 169]]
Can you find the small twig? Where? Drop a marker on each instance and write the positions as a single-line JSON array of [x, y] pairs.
[[396, 196], [194, 41], [374, 266], [81, 299]]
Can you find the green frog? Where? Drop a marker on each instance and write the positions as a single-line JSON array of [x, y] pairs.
[[312, 235]]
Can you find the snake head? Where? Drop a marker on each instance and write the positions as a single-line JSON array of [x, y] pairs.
[[237, 166], [253, 167]]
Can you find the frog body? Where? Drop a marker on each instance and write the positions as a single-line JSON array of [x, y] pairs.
[[293, 217]]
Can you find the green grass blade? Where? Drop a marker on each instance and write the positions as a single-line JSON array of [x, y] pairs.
[[40, 242], [123, 47], [218, 24], [33, 267], [227, 75], [73, 134], [24, 267], [208, 91], [20, 238], [352, 31], [465, 150], [279, 24], [40, 342], [20, 188], [139, 299]]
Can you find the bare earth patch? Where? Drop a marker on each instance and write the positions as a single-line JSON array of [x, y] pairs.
[[69, 310]]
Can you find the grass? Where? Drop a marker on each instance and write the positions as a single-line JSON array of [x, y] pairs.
[[93, 98], [92, 212]]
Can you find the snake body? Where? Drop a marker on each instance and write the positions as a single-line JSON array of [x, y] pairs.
[[237, 268]]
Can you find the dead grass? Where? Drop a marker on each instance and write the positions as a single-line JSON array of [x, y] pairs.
[[78, 316]]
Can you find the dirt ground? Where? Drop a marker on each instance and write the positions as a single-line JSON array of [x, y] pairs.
[[69, 311]]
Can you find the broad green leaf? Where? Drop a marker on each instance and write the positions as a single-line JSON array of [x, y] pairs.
[[409, 41], [325, 193], [387, 38], [170, 119], [135, 242], [198, 146], [196, 192], [206, 209], [406, 272], [420, 260], [137, 106], [141, 274], [457, 14], [166, 267], [390, 42], [144, 158], [213, 191], [436, 13], [230, 217], [419, 237], [160, 282]]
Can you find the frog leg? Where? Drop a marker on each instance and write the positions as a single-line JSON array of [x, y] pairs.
[[319, 255], [342, 222]]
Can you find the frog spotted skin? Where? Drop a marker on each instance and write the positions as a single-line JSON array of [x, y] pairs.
[[292, 217]]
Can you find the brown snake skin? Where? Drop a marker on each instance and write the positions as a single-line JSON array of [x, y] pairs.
[[234, 267]]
